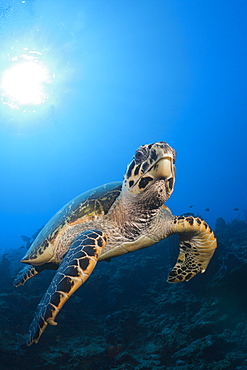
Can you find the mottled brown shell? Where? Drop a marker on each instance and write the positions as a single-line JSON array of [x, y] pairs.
[[86, 207]]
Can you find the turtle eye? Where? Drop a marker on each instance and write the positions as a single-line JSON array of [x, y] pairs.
[[141, 155]]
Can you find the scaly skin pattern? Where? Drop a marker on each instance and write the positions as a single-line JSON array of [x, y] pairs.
[[197, 246], [76, 267]]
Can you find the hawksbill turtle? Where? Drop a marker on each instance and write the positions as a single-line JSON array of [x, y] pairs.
[[112, 220]]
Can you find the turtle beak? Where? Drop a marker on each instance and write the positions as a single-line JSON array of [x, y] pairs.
[[165, 169]]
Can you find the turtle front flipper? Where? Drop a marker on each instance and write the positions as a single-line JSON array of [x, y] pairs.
[[197, 246], [74, 270]]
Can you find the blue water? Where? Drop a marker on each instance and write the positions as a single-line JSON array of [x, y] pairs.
[[125, 73]]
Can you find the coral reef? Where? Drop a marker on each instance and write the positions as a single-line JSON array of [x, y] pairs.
[[127, 316]]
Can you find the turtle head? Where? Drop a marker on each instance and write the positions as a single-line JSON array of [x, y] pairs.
[[151, 173]]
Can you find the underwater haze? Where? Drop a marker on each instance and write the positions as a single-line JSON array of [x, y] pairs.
[[83, 85], [125, 73]]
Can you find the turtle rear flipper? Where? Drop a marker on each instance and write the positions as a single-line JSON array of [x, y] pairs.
[[197, 246], [74, 270], [26, 273], [29, 271]]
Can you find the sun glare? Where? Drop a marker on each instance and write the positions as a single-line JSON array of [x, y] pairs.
[[24, 83]]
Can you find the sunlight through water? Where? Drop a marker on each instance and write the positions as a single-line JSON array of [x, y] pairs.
[[25, 82]]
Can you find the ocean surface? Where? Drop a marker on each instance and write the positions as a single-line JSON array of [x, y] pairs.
[[83, 85]]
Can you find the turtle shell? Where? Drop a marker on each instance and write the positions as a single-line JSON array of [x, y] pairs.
[[85, 207]]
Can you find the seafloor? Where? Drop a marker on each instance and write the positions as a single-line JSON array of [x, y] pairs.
[[127, 316]]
